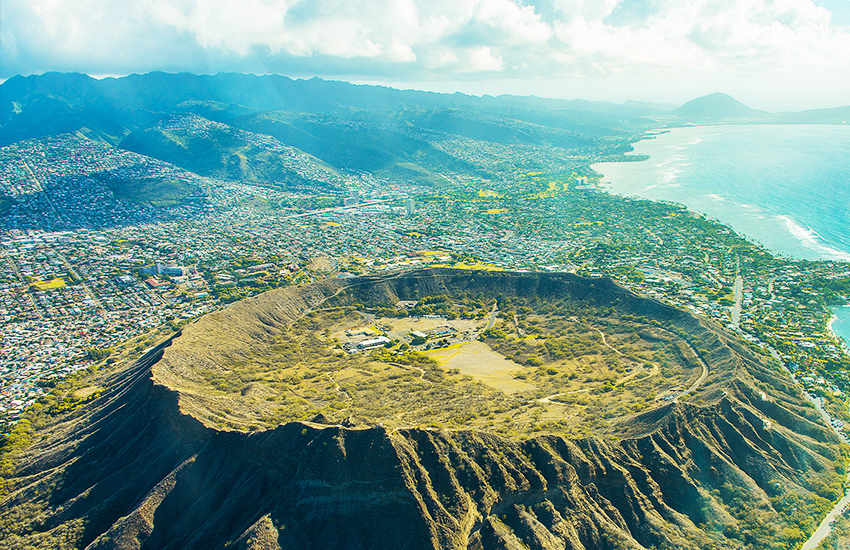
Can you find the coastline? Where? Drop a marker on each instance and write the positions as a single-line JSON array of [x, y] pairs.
[[669, 175], [838, 339], [843, 342]]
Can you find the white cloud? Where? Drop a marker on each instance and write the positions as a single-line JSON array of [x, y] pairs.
[[440, 59], [520, 23], [481, 59], [709, 35], [425, 39]]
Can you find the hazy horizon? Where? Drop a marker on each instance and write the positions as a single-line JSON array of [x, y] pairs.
[[510, 88]]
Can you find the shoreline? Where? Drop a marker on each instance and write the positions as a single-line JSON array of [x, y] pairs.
[[842, 342], [783, 232]]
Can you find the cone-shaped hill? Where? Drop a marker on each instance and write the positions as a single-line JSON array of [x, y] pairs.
[[433, 409], [717, 106]]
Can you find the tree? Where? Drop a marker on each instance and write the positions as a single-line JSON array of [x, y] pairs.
[[96, 354]]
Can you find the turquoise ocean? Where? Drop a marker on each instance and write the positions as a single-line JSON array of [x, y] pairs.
[[785, 186]]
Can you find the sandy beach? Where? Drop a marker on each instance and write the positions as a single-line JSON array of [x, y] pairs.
[[841, 341]]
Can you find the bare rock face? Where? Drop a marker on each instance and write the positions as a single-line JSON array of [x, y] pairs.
[[133, 471]]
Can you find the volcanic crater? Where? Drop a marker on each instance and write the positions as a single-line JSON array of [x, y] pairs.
[[432, 409]]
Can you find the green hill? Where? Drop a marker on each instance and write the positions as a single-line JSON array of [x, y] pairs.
[[384, 152], [324, 127], [214, 149]]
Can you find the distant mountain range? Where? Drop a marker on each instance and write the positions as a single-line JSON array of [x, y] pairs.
[[403, 135], [54, 103], [394, 134]]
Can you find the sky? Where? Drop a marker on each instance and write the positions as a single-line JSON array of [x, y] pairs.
[[770, 54]]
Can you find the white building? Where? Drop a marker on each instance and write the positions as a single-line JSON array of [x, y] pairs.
[[373, 343]]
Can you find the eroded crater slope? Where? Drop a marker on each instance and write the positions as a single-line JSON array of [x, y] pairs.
[[610, 421], [508, 353]]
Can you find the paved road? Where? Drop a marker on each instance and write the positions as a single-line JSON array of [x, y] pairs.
[[493, 314], [739, 294], [40, 188], [824, 528], [818, 403], [81, 280], [36, 307]]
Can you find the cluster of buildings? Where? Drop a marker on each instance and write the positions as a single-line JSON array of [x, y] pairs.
[[366, 340], [85, 269], [197, 261], [69, 182]]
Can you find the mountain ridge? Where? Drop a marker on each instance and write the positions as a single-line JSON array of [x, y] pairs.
[[62, 102]]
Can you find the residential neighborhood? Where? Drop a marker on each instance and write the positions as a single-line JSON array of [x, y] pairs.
[[89, 273]]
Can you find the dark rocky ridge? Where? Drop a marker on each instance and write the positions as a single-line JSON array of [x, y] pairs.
[[133, 471]]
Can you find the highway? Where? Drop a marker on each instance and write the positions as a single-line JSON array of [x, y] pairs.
[[338, 208], [824, 528]]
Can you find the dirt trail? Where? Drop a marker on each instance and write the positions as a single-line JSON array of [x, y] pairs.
[[421, 372], [493, 313], [549, 398], [699, 381], [604, 341], [336, 385]]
